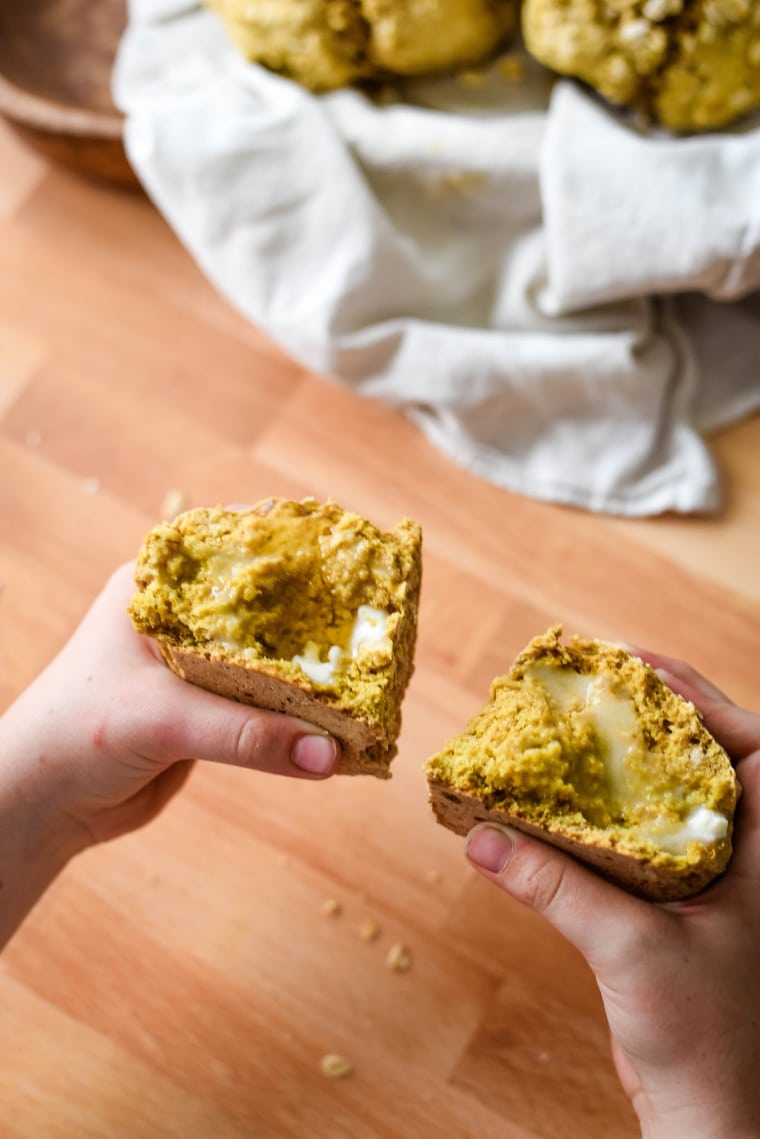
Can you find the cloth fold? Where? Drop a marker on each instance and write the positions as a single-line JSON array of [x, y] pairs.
[[559, 302]]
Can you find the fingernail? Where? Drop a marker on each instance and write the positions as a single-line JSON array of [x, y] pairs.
[[315, 754], [489, 848]]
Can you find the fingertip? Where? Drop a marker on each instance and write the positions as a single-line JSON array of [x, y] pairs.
[[315, 754], [489, 847]]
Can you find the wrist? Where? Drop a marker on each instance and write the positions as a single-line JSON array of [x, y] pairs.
[[37, 838]]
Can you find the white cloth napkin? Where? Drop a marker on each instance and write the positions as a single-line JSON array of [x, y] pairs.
[[562, 304]]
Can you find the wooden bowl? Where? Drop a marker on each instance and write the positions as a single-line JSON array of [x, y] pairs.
[[56, 58]]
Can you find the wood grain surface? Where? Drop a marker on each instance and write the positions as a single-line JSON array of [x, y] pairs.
[[184, 981]]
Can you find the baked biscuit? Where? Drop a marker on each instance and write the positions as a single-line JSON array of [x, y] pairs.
[[298, 607], [691, 65], [325, 44], [583, 745]]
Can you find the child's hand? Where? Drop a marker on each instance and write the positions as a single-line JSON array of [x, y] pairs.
[[100, 742], [680, 982]]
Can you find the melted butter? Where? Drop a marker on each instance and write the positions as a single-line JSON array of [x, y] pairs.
[[568, 689], [613, 718], [616, 725], [701, 825], [224, 573], [223, 567], [612, 714], [369, 632], [318, 671]]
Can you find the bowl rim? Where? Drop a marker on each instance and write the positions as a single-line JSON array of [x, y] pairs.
[[39, 113]]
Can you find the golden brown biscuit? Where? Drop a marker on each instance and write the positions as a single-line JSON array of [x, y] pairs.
[[690, 64], [293, 606], [583, 745], [325, 44]]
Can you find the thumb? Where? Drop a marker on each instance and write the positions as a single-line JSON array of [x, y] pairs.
[[177, 720], [595, 916]]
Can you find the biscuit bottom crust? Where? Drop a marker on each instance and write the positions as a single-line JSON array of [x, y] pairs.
[[459, 813]]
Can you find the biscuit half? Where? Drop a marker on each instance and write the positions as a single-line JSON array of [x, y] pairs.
[[297, 607], [582, 745]]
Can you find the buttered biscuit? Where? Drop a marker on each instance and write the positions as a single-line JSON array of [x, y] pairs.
[[583, 745], [299, 607]]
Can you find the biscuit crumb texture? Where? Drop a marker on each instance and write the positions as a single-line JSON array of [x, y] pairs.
[[691, 65], [326, 44], [583, 745], [300, 607]]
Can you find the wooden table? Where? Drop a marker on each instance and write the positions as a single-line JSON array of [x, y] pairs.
[[184, 981]]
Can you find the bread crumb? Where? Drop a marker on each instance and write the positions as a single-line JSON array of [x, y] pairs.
[[399, 959], [369, 930], [335, 1067], [331, 907]]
